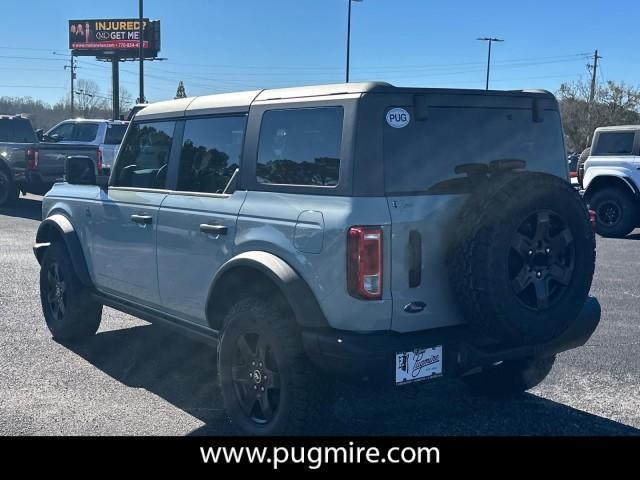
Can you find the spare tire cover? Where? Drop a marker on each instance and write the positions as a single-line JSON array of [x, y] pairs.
[[522, 257]]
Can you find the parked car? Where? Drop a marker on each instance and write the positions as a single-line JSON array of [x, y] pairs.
[[610, 179], [105, 134], [27, 165], [333, 231]]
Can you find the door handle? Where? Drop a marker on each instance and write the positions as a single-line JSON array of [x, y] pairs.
[[142, 219], [213, 229]]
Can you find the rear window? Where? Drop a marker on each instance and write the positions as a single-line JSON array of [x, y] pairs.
[[16, 131], [425, 152], [115, 133], [614, 143], [85, 132], [300, 147]]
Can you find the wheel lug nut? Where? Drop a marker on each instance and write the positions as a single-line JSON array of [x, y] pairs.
[[538, 274], [255, 387], [530, 252], [548, 251], [253, 364], [262, 389], [260, 364]]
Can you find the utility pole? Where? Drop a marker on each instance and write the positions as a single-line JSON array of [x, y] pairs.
[[141, 99], [349, 35], [72, 68], [592, 93], [490, 40]]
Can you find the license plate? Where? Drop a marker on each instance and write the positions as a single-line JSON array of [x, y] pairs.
[[419, 364]]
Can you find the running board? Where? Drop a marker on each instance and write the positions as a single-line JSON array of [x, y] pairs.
[[154, 316]]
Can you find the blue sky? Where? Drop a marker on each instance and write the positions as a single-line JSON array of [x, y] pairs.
[[225, 45]]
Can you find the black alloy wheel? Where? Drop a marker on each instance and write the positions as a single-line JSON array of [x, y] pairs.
[[256, 378], [609, 213], [541, 260], [56, 292]]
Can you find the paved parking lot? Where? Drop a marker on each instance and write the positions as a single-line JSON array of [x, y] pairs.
[[135, 378]]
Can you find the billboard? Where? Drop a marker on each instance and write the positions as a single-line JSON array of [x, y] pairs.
[[107, 36]]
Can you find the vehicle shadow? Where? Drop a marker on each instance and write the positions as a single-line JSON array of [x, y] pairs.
[[28, 208], [182, 371]]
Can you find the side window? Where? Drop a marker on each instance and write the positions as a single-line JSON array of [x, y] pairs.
[[144, 155], [23, 132], [63, 132], [614, 143], [210, 153], [300, 146], [85, 132], [115, 133], [16, 131]]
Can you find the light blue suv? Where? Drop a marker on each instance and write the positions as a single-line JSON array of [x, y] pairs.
[[363, 231]]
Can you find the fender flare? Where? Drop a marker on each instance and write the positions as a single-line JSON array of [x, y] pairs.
[[59, 226], [295, 290], [610, 175]]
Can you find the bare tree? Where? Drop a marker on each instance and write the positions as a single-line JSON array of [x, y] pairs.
[[89, 99], [614, 104], [125, 100]]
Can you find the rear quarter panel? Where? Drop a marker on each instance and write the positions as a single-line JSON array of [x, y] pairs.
[[267, 222]]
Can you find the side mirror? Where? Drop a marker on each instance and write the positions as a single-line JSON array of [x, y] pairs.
[[80, 170], [40, 135]]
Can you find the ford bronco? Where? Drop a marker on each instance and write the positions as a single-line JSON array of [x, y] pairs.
[[360, 231]]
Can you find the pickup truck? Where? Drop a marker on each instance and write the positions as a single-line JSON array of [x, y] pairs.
[[30, 166], [104, 134]]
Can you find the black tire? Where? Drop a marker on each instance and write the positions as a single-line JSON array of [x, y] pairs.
[[616, 210], [510, 378], [9, 191], [67, 306], [522, 258], [260, 340]]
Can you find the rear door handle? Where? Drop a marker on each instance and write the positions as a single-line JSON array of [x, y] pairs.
[[142, 219], [213, 229]]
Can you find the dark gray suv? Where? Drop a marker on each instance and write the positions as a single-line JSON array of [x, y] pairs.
[[363, 231]]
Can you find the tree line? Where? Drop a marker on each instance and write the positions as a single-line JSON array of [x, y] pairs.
[[89, 102], [613, 104]]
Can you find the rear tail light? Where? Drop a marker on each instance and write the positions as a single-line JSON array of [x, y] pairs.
[[593, 219], [32, 158], [99, 161], [364, 262], [573, 174]]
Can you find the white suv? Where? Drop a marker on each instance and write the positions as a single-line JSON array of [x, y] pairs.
[[611, 178]]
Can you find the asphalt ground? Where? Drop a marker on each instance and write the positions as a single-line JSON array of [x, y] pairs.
[[134, 378]]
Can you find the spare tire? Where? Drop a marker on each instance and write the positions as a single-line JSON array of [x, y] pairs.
[[580, 164], [522, 258]]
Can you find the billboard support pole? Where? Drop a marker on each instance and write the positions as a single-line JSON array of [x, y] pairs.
[[141, 51], [115, 87]]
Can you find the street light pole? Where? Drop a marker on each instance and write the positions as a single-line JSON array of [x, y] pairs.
[[490, 40], [349, 35]]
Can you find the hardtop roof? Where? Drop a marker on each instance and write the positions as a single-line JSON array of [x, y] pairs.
[[239, 101]]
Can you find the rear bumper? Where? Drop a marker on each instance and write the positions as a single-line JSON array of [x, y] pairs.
[[371, 357]]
